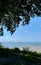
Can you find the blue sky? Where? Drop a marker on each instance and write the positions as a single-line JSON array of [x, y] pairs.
[[27, 33]]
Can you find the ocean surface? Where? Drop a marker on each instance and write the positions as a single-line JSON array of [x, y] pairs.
[[36, 46]]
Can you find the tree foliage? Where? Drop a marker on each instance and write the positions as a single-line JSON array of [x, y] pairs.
[[12, 12], [16, 56]]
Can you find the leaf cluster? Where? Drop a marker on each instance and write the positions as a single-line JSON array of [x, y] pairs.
[[12, 12]]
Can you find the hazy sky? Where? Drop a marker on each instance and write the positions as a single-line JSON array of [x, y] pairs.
[[28, 33]]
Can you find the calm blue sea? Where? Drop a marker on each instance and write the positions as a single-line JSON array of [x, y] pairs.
[[20, 44]]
